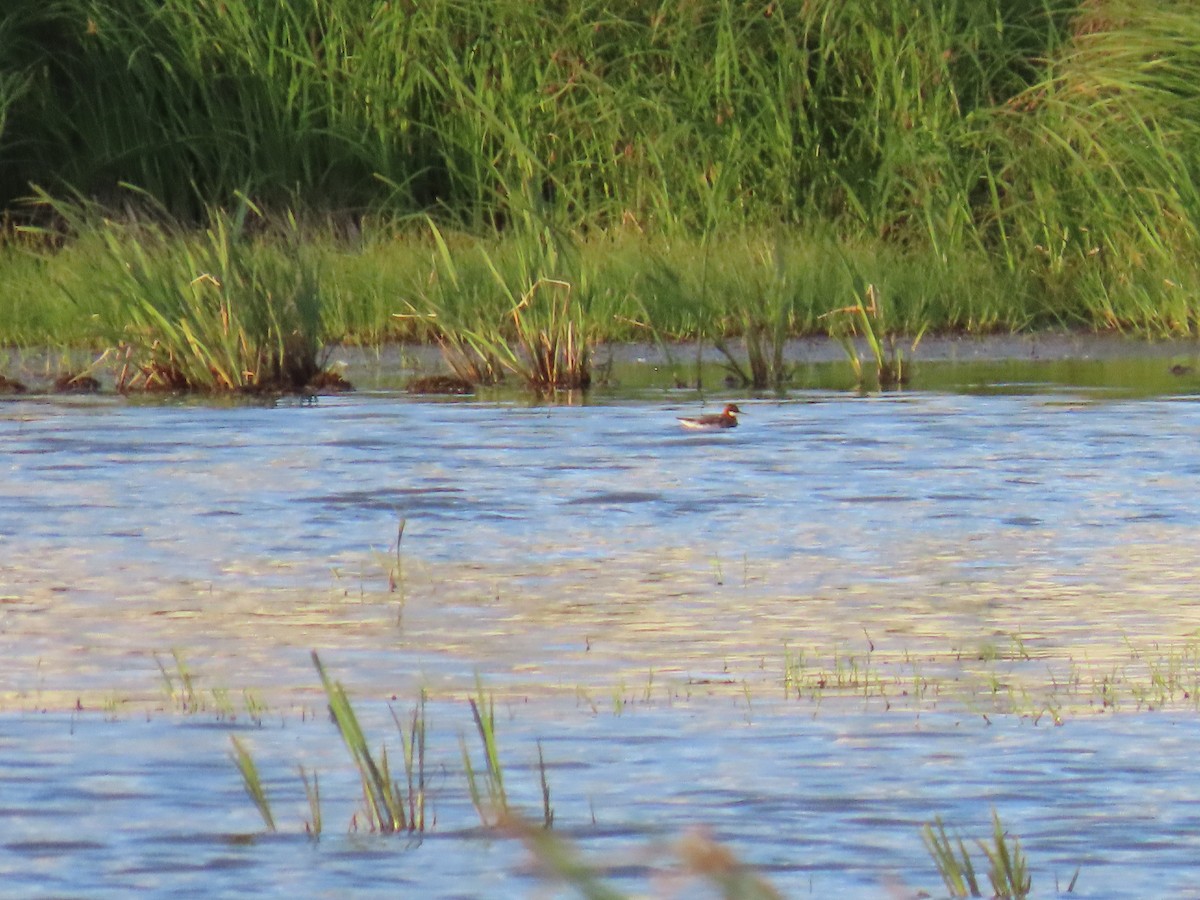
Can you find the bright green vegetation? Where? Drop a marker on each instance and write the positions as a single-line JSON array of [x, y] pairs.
[[493, 807], [1008, 870], [702, 170], [203, 310], [253, 781], [391, 806]]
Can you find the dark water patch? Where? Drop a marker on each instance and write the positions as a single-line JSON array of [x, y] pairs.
[[51, 847], [1023, 521], [406, 499], [877, 498], [616, 498]]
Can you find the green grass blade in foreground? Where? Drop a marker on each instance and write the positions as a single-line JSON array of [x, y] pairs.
[[384, 807], [252, 781], [559, 859], [698, 856], [957, 871], [312, 793], [413, 743], [494, 806], [1009, 872]]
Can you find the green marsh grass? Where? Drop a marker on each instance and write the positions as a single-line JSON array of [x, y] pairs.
[[694, 856], [490, 800], [412, 742], [1098, 194], [764, 318], [312, 793], [1008, 869], [389, 809], [253, 782], [254, 706], [865, 319], [844, 675], [181, 689], [649, 117], [1009, 164], [952, 860], [529, 319], [207, 312]]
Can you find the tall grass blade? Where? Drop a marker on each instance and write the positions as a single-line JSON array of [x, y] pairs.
[[547, 809], [252, 781], [385, 808], [413, 741], [312, 793], [1009, 871], [957, 871], [490, 800]]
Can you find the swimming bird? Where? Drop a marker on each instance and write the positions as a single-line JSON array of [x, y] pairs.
[[726, 418]]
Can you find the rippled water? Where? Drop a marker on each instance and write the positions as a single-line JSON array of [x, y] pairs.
[[811, 634]]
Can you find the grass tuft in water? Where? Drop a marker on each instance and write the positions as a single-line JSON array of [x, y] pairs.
[[413, 743], [1008, 870], [181, 689], [490, 800], [765, 319], [865, 319], [523, 316], [956, 868], [312, 792], [200, 311], [252, 781], [385, 803]]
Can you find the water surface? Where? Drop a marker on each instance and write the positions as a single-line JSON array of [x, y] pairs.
[[811, 634]]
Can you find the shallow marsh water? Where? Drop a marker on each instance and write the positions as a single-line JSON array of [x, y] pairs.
[[811, 634]]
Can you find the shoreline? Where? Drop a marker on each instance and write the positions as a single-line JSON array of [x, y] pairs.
[[38, 368]]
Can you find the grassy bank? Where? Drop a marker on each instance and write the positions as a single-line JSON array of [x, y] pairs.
[[701, 169], [632, 286]]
